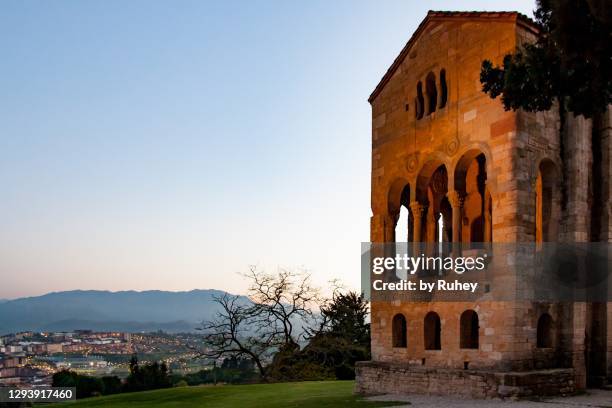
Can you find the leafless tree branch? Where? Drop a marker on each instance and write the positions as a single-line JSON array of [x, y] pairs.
[[282, 309]]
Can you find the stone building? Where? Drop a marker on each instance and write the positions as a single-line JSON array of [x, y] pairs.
[[466, 170]]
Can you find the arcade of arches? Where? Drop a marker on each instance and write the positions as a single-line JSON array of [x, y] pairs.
[[439, 213]]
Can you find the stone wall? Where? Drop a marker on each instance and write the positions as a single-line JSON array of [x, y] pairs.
[[498, 346], [393, 378]]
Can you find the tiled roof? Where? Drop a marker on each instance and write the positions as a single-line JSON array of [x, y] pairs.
[[521, 19]]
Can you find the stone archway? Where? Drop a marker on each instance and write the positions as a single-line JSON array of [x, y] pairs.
[[472, 198]]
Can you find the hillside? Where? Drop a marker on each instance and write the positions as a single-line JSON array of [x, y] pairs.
[[103, 310]]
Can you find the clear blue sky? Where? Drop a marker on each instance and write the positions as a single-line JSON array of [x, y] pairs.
[[168, 145]]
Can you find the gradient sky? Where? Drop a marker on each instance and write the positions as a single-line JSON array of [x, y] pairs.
[[169, 145]]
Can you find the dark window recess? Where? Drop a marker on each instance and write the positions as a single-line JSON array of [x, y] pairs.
[[432, 331], [545, 325], [469, 330], [443, 89], [399, 331], [419, 102], [432, 93]]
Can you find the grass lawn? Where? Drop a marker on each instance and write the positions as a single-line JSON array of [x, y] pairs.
[[319, 394]]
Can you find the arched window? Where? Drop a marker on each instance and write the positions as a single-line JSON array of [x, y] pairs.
[[432, 93], [469, 330], [432, 331], [443, 89], [399, 331], [471, 183], [545, 335], [419, 102]]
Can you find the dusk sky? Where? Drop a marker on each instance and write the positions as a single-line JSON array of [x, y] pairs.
[[169, 145]]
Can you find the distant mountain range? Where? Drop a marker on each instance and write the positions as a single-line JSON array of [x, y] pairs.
[[103, 310]]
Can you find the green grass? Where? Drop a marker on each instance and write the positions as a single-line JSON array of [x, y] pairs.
[[319, 394]]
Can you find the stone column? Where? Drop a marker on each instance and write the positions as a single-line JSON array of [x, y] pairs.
[[418, 210], [377, 228], [578, 159], [431, 226], [439, 91], [579, 344], [456, 201], [605, 224], [487, 216], [605, 133], [389, 228], [577, 219]]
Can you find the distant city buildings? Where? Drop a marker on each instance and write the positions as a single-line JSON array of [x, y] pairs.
[[30, 359], [77, 363]]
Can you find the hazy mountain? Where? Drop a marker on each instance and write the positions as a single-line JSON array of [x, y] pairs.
[[103, 310]]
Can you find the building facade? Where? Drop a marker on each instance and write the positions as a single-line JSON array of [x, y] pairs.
[[465, 170]]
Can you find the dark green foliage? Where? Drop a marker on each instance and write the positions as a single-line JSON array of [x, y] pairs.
[[235, 363], [345, 317], [337, 353], [342, 339], [571, 61], [232, 371], [64, 378], [291, 364], [85, 386], [141, 378], [111, 385], [16, 404], [526, 80], [148, 377]]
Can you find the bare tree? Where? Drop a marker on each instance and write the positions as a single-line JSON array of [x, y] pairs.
[[281, 302], [281, 309], [230, 333]]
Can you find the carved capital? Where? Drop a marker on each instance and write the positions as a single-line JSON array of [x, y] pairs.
[[417, 209], [455, 199]]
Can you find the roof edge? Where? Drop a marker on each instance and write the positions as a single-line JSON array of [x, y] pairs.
[[520, 19]]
